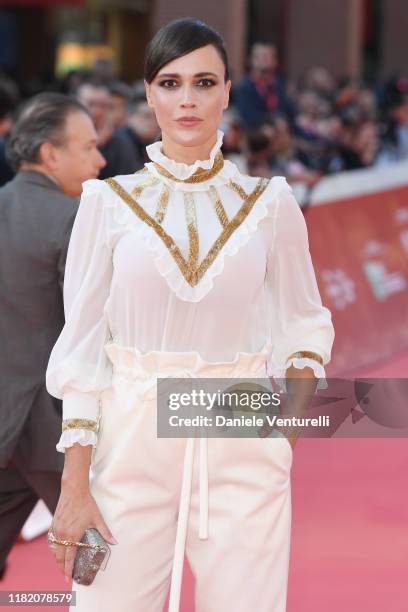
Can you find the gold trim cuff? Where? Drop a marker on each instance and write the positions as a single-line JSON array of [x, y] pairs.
[[306, 355], [80, 424]]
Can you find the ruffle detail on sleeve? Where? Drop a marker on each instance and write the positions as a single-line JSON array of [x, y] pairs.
[[70, 436], [279, 372]]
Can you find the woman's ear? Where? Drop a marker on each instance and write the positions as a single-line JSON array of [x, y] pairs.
[[227, 93], [148, 96]]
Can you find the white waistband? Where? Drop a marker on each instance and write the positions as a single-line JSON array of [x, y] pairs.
[[145, 365]]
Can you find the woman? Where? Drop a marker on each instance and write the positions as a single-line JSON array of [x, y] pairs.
[[186, 268]]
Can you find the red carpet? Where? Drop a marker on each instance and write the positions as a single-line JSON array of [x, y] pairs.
[[349, 534]]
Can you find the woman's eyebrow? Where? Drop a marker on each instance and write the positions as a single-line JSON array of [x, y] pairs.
[[174, 75]]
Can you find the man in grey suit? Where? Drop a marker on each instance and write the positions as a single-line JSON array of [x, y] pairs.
[[53, 148]]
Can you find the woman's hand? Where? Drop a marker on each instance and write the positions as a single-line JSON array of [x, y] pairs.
[[267, 429], [76, 511]]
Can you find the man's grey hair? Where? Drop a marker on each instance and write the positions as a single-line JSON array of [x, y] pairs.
[[41, 119]]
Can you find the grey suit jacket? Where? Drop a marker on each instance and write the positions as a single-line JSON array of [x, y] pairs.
[[36, 219]]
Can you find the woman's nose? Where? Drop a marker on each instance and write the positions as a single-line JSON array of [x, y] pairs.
[[187, 97]]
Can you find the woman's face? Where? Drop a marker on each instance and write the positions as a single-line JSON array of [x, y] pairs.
[[189, 95]]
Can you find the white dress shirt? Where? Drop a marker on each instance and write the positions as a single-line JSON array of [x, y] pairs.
[[218, 266]]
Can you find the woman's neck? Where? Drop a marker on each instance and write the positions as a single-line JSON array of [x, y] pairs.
[[186, 154]]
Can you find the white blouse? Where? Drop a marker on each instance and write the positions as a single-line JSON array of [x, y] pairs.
[[218, 264]]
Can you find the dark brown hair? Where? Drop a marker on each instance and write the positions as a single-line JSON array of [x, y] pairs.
[[178, 38]]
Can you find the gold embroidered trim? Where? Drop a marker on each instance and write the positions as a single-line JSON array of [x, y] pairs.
[[237, 188], [199, 175], [307, 354], [219, 208], [232, 226], [162, 204], [151, 180], [191, 220], [80, 424], [191, 274]]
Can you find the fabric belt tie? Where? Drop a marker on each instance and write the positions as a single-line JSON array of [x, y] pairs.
[[178, 559]]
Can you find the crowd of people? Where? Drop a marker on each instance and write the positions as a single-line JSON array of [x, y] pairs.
[[302, 129]]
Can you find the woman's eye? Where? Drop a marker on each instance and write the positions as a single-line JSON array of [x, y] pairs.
[[207, 82], [166, 83]]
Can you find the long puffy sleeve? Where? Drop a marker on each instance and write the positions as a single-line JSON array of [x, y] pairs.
[[301, 327], [78, 368]]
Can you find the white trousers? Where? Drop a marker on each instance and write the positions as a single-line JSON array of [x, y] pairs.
[[225, 502]]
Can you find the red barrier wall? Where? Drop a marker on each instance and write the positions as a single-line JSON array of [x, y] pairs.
[[359, 248]]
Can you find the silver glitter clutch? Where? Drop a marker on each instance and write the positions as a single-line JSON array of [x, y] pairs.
[[89, 559]]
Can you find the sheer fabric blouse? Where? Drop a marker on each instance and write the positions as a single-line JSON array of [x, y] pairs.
[[181, 257]]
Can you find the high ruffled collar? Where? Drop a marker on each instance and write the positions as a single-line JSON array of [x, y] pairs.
[[178, 169]]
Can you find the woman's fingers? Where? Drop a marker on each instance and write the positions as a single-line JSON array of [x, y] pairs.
[[59, 552], [69, 560], [63, 554]]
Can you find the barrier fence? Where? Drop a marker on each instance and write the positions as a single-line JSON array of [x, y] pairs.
[[358, 235]]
